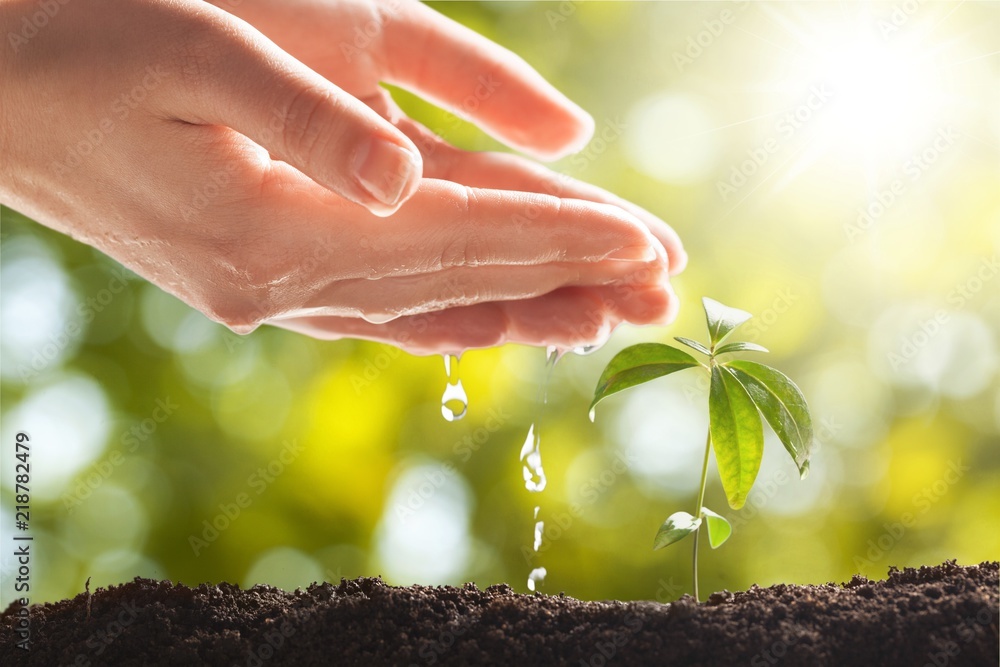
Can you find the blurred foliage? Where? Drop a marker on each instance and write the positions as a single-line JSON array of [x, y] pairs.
[[318, 460]]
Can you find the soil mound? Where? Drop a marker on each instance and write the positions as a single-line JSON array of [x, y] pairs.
[[931, 616]]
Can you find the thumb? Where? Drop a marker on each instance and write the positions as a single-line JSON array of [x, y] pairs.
[[240, 79]]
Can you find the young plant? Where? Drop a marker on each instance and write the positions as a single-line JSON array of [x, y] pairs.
[[740, 392]]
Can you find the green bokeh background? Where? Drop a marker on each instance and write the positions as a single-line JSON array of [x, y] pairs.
[[891, 329]]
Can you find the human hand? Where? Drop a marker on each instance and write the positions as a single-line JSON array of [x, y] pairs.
[[163, 159], [357, 44]]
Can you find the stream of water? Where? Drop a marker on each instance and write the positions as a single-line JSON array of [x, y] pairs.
[[531, 461], [454, 405]]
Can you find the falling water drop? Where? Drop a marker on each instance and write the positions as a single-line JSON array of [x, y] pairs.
[[531, 457], [537, 576], [378, 318], [454, 402]]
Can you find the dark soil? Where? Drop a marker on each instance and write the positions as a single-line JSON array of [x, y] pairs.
[[934, 616]]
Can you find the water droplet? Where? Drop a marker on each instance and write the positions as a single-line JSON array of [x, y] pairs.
[[584, 350], [552, 355], [454, 402], [592, 414], [804, 470], [536, 577], [379, 318], [531, 457]]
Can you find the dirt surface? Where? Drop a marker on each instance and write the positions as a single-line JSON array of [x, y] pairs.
[[933, 616]]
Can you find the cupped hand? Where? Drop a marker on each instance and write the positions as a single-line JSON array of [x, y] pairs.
[[182, 142], [357, 44]]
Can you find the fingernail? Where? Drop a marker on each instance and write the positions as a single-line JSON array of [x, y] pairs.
[[635, 253], [385, 170]]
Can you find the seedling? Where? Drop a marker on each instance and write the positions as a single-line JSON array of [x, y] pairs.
[[740, 392]]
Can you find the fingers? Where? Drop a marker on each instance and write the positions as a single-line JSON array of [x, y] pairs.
[[569, 317], [234, 76], [446, 225], [380, 301], [578, 316], [268, 243], [476, 79], [510, 172]]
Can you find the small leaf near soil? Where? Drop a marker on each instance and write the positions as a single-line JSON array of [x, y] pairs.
[[719, 528], [677, 526]]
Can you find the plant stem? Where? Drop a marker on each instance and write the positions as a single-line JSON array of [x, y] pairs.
[[697, 510]]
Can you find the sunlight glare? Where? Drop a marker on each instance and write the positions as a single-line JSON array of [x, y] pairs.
[[884, 99]]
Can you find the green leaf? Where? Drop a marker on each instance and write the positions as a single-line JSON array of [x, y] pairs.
[[693, 344], [783, 406], [740, 347], [677, 526], [637, 364], [719, 529], [722, 319], [737, 435]]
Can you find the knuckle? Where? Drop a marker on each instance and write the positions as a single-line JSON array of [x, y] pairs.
[[198, 52], [225, 173], [468, 245], [304, 131], [454, 253]]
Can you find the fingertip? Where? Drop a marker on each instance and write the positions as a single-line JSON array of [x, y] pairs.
[[388, 172], [636, 237], [678, 260], [583, 130], [673, 305], [633, 253], [571, 134], [664, 233], [652, 306]]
